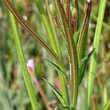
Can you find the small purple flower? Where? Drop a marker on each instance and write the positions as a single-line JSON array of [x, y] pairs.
[[90, 48], [30, 66]]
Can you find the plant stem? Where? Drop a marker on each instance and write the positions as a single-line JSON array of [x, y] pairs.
[[96, 46], [68, 14], [23, 64], [74, 26], [73, 57]]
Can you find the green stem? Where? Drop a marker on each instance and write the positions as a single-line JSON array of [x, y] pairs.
[[96, 46], [23, 64]]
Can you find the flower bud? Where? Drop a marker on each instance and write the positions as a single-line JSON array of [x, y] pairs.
[[74, 13], [53, 11], [30, 66], [67, 1]]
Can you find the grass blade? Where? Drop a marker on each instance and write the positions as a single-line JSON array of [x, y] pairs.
[[57, 93]]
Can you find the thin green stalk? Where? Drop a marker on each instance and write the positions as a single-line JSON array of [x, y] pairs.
[[107, 106], [54, 47], [96, 43], [23, 64]]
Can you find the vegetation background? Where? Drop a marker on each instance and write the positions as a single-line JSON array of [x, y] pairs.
[[13, 94]]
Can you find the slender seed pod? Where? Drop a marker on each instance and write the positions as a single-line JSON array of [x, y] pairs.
[[53, 10], [53, 13], [74, 13]]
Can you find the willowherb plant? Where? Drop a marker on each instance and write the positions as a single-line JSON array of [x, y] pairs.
[[67, 18]]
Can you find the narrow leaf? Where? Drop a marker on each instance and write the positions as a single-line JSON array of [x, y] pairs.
[[58, 68], [57, 93], [83, 64], [76, 36]]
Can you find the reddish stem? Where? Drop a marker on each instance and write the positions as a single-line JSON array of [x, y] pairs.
[[77, 7], [74, 26], [57, 23], [41, 92]]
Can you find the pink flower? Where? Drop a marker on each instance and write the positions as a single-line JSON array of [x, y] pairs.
[[30, 66], [90, 48]]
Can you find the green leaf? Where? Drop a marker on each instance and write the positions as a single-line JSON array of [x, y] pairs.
[[57, 93], [58, 68], [76, 36], [83, 64]]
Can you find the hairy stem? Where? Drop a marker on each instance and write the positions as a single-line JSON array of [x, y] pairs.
[[73, 57]]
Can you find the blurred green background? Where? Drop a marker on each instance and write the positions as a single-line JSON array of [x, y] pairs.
[[13, 94]]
